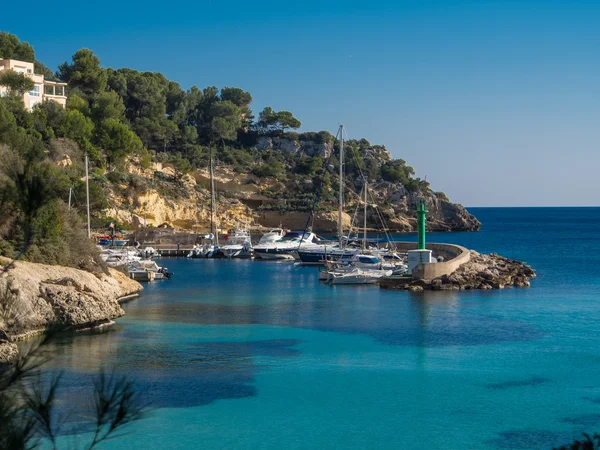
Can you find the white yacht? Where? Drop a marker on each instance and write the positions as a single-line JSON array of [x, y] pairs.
[[273, 235], [237, 245], [287, 246]]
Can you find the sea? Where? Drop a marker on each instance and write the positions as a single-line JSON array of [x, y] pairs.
[[260, 355]]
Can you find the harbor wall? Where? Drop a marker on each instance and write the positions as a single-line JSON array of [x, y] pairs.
[[454, 257]]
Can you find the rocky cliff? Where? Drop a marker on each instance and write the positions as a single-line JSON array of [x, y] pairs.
[[244, 199], [34, 297]]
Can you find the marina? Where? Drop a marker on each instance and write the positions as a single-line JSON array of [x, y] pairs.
[[300, 226], [256, 349]]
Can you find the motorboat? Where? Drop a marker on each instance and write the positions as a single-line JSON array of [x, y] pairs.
[[117, 257], [365, 261], [150, 252], [143, 266], [287, 246], [209, 248], [237, 245], [359, 276], [273, 235], [206, 251]]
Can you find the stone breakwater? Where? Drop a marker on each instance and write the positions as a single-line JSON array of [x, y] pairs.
[[35, 297], [481, 272]]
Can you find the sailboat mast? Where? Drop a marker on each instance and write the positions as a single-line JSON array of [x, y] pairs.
[[87, 196], [212, 195], [365, 217], [341, 202]]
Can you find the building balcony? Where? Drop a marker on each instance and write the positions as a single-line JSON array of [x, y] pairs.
[[55, 89]]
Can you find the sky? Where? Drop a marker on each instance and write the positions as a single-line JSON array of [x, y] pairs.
[[496, 103]]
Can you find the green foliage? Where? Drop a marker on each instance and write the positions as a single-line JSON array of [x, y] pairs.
[[271, 167], [237, 96], [225, 120], [239, 159], [41, 69], [16, 83], [12, 48], [322, 137], [77, 103], [108, 105], [117, 140], [8, 122], [309, 166], [84, 73], [54, 113], [22, 117], [77, 127], [269, 120], [396, 171]]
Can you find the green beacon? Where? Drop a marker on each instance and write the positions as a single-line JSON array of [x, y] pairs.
[[421, 213]]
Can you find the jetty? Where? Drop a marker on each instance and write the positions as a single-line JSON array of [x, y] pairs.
[[454, 267]]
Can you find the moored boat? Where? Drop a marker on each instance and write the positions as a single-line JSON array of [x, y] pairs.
[[148, 270], [359, 276], [287, 246], [237, 245]]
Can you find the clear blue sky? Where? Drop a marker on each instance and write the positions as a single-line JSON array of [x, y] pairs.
[[496, 102]]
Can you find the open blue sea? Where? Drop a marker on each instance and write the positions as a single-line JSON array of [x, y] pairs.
[[259, 355]]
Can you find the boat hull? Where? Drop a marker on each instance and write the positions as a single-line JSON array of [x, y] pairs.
[[273, 255]]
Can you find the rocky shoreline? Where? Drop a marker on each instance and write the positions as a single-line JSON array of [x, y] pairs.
[[484, 272], [35, 297]]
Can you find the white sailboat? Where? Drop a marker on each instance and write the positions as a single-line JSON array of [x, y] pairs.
[[364, 267], [210, 247]]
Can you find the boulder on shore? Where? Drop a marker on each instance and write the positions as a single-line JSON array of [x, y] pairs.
[[483, 272], [35, 297]]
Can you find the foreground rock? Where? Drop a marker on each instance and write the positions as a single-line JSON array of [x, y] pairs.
[[34, 297], [481, 272]]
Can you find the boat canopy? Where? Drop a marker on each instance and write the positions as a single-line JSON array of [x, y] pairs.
[[368, 259], [299, 235]]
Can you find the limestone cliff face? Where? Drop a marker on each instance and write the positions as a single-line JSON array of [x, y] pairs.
[[242, 201], [36, 296]]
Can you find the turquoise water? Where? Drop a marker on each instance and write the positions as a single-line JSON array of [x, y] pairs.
[[248, 354]]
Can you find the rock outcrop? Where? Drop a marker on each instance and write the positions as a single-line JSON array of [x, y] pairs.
[[480, 272], [35, 297], [486, 272]]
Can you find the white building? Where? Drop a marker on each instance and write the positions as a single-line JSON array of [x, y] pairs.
[[43, 90]]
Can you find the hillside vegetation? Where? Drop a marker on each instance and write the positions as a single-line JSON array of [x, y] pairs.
[[149, 141]]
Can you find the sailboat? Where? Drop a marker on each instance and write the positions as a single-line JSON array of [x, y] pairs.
[[344, 248], [210, 247]]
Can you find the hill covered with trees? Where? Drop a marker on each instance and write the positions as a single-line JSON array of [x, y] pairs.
[[149, 142]]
